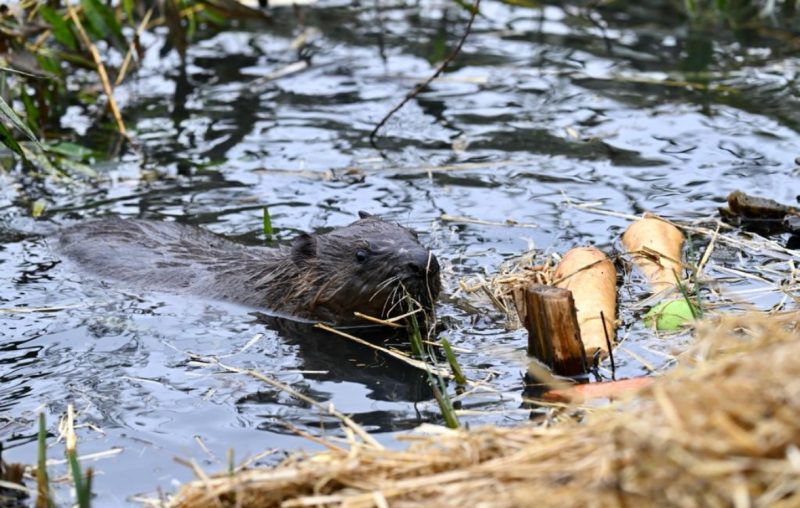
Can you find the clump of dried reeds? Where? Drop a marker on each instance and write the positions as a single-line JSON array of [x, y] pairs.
[[505, 289], [721, 429]]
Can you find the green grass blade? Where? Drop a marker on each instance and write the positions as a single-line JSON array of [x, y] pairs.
[[88, 486], [267, 223], [696, 313], [7, 114], [414, 334], [82, 489], [31, 109], [59, 26], [7, 138], [458, 375], [102, 23], [127, 6], [43, 499], [72, 150], [77, 477], [445, 405]]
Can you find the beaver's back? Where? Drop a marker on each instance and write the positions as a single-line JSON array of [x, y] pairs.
[[164, 255]]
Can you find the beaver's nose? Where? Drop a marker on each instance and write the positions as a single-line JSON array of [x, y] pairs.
[[422, 263]]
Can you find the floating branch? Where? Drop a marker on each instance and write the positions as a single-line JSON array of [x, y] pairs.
[[420, 87]]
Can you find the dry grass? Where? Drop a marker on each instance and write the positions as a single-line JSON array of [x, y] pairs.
[[721, 429]]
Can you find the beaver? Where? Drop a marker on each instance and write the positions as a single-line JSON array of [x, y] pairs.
[[367, 266]]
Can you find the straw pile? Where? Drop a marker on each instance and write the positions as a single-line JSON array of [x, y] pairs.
[[722, 429]]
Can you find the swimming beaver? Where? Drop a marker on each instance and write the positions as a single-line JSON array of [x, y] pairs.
[[361, 267]]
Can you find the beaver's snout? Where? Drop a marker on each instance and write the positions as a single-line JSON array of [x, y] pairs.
[[422, 263], [420, 276]]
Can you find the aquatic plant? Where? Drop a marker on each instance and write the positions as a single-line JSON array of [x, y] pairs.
[[46, 46]]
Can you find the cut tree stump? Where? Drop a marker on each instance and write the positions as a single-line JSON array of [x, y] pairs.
[[553, 334]]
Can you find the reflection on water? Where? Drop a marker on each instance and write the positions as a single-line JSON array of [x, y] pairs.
[[628, 107]]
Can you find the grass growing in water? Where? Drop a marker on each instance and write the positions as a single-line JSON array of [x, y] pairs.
[[43, 499], [437, 383], [83, 483]]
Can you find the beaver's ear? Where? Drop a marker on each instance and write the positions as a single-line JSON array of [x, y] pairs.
[[364, 215], [304, 247]]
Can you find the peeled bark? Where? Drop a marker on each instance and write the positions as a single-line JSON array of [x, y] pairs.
[[655, 247], [592, 278]]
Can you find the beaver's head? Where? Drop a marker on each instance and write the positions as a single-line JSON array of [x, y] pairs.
[[369, 267]]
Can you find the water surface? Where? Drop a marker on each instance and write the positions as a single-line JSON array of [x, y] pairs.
[[631, 111]]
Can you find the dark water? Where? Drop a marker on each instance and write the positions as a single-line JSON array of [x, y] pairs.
[[630, 110]]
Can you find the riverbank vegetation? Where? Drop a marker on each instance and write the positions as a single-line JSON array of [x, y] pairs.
[[642, 451], [56, 55]]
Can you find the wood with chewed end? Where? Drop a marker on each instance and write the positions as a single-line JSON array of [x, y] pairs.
[[554, 337], [592, 278], [655, 246]]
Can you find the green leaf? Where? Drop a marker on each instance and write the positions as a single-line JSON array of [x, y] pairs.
[[36, 156], [76, 168], [458, 375], [7, 138], [267, 227], [7, 114], [102, 23], [127, 6], [50, 65], [670, 315], [37, 208], [214, 17], [71, 150], [31, 110], [59, 26], [191, 26]]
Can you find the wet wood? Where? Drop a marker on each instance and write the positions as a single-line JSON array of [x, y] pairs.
[[605, 390], [655, 246], [754, 207], [554, 337], [763, 216], [592, 278]]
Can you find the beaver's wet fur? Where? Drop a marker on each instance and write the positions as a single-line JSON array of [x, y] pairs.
[[365, 266]]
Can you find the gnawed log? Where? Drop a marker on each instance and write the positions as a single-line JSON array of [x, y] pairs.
[[554, 337]]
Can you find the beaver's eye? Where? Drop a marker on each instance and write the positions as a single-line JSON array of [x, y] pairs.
[[361, 255]]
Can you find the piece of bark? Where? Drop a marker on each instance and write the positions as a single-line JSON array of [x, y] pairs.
[[604, 390], [655, 247], [553, 333], [592, 278]]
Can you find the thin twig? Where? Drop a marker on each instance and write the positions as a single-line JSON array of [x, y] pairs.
[[394, 354], [101, 71], [123, 70], [420, 87], [610, 348], [379, 321], [328, 408]]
